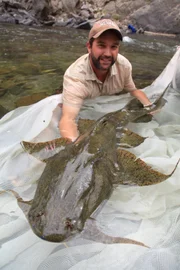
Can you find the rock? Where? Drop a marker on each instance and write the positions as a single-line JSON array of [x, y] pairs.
[[140, 30], [85, 14], [159, 16], [40, 9], [56, 7], [84, 25], [69, 5], [7, 18], [14, 12], [12, 4], [110, 8], [155, 16], [49, 23], [60, 23], [3, 111]]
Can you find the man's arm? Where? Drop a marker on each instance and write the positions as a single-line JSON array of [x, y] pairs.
[[67, 125], [141, 96], [131, 88]]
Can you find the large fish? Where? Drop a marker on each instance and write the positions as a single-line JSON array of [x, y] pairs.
[[81, 176]]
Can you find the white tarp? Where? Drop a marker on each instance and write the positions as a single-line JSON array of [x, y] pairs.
[[148, 214]]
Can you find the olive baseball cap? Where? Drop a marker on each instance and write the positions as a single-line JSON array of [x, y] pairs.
[[103, 25]]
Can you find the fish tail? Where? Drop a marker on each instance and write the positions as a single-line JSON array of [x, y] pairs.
[[174, 168], [129, 241]]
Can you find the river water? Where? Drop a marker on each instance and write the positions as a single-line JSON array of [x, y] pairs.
[[33, 60]]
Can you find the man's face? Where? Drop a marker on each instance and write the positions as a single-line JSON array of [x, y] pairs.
[[104, 50]]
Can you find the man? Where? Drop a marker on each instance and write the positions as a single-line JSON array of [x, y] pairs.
[[103, 71]]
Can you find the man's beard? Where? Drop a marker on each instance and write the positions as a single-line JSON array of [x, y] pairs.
[[96, 61]]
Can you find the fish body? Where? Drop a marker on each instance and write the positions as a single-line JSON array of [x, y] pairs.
[[81, 176]]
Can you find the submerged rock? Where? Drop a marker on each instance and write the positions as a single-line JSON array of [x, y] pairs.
[[3, 111], [28, 100]]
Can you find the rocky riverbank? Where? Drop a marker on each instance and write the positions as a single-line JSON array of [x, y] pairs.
[[149, 15]]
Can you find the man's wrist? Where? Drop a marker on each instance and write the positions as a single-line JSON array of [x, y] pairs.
[[149, 106]]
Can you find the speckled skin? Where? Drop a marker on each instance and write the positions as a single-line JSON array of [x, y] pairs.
[[81, 176]]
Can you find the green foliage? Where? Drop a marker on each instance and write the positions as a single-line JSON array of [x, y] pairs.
[[116, 17]]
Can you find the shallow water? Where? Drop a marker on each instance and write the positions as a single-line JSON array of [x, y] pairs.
[[33, 60]]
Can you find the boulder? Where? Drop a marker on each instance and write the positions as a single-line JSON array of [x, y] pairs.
[[159, 16], [70, 5], [156, 15]]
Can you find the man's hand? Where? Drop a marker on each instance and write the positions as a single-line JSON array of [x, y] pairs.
[[51, 146], [150, 107]]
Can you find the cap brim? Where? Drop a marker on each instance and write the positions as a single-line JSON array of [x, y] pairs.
[[117, 31]]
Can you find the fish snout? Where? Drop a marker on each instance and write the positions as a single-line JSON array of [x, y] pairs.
[[59, 231]]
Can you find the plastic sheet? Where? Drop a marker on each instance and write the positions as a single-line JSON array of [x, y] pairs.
[[148, 214]]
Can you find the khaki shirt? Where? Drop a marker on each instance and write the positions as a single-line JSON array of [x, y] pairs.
[[80, 81]]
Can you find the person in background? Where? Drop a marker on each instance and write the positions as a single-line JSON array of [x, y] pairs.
[[102, 71]]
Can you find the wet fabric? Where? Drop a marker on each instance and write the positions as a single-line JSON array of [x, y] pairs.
[[149, 214]]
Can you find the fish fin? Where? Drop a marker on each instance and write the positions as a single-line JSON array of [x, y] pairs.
[[44, 150], [160, 99], [143, 119], [32, 147], [133, 170], [92, 232], [133, 104], [24, 205], [84, 124], [129, 139], [174, 168], [136, 106]]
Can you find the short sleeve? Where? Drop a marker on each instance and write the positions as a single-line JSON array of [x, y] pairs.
[[129, 83], [74, 91]]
